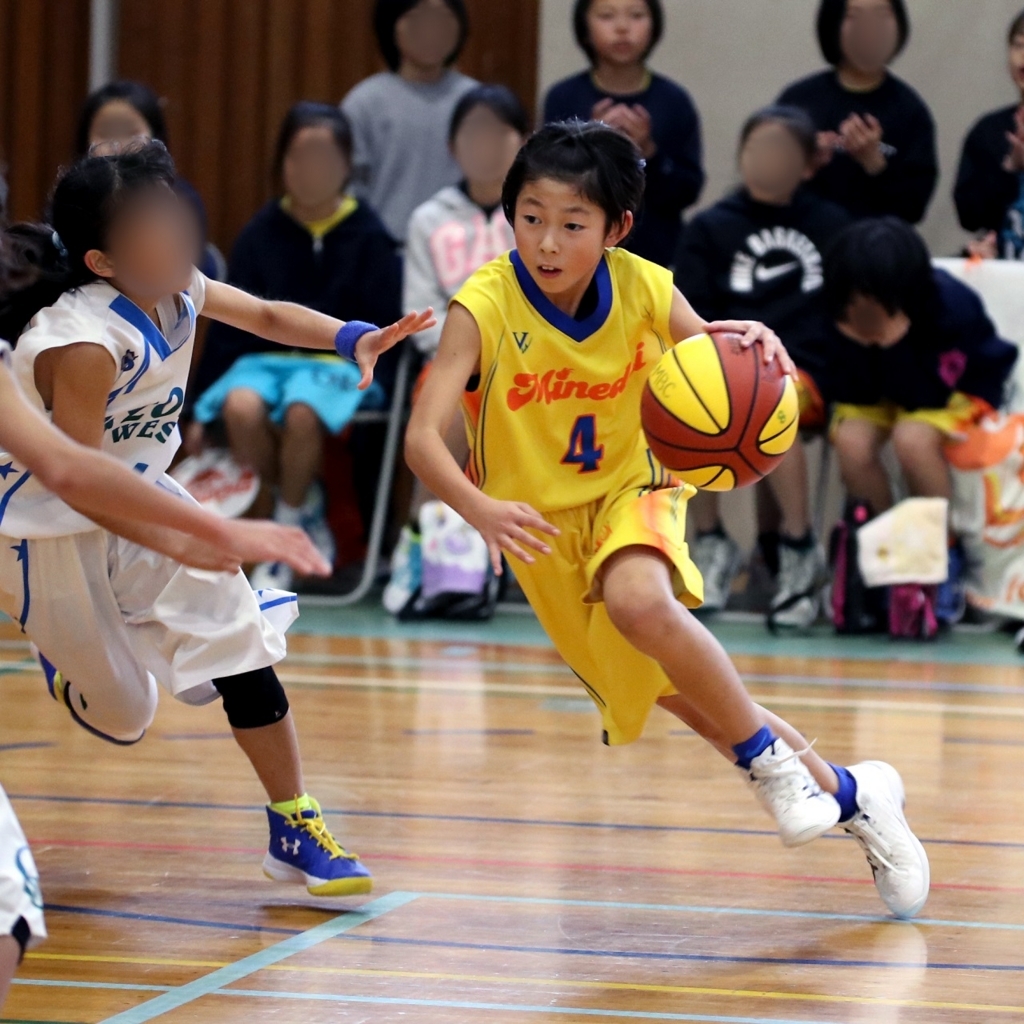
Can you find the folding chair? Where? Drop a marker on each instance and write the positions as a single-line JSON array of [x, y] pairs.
[[394, 417]]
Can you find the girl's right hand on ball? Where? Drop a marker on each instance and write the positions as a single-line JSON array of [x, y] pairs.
[[504, 525]]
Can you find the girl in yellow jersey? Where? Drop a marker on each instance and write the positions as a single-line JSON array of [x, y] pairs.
[[547, 349]]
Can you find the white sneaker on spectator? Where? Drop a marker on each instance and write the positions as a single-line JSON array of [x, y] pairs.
[[786, 789], [897, 858], [313, 520], [271, 576], [406, 571], [797, 599], [718, 558]]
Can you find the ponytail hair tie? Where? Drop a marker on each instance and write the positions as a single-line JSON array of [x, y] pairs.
[[58, 244]]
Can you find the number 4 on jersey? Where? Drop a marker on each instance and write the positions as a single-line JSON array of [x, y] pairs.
[[583, 450]]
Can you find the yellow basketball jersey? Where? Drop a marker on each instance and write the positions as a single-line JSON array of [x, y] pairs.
[[556, 416]]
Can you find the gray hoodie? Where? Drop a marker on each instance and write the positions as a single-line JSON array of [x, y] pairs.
[[450, 238]]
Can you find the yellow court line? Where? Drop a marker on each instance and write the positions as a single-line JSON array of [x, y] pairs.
[[617, 986], [460, 686]]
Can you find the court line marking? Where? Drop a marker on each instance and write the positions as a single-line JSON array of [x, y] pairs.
[[485, 820], [464, 665], [118, 986], [700, 958], [127, 915], [539, 865], [520, 690], [506, 980], [212, 983], [677, 908]]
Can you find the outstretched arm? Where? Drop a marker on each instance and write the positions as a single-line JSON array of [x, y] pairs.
[[503, 524], [102, 488], [287, 323]]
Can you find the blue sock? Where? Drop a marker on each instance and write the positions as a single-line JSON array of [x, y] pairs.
[[757, 744], [847, 795]]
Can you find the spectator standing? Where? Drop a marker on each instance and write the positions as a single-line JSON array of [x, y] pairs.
[[657, 114], [876, 135], [122, 112], [400, 117], [989, 192], [318, 246], [757, 255]]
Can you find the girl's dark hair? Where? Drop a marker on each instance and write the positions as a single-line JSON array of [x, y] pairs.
[[42, 262], [883, 259], [140, 96], [499, 100], [795, 120], [307, 114], [1016, 28], [831, 15], [602, 163], [579, 24], [386, 15]]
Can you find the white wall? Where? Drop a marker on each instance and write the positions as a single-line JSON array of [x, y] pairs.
[[736, 55]]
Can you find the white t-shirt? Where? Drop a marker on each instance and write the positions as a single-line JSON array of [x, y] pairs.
[[141, 426]]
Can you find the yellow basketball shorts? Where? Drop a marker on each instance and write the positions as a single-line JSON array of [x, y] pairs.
[[564, 589], [886, 415]]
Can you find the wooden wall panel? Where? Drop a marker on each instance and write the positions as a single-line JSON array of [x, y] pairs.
[[229, 69], [44, 55]]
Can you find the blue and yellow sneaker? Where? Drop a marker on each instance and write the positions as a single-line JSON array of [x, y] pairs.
[[303, 850]]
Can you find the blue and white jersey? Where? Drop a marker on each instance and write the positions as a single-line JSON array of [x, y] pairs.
[[143, 408]]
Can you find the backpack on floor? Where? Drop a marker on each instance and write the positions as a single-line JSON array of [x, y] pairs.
[[457, 579], [856, 607], [912, 611]]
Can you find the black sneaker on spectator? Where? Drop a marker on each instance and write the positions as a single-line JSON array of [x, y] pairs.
[[718, 558]]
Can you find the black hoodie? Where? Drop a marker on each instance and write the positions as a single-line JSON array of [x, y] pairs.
[[745, 260]]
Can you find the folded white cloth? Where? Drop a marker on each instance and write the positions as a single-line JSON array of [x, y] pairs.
[[907, 544]]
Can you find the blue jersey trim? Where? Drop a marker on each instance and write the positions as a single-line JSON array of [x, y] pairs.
[[578, 330], [10, 493], [127, 310]]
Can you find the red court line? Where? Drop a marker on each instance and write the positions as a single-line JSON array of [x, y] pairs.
[[613, 869]]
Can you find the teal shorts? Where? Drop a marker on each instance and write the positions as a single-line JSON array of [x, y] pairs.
[[329, 386]]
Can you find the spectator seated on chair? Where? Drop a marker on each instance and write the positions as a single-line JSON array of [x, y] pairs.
[[451, 236], [318, 246], [757, 255], [911, 349]]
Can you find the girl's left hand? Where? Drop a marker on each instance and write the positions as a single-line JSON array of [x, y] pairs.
[[757, 333], [373, 345]]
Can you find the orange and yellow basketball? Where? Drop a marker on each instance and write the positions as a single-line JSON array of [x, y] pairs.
[[716, 415]]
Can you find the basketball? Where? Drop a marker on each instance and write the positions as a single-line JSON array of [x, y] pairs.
[[716, 415]]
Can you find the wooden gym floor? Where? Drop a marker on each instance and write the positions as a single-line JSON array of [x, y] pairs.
[[524, 872]]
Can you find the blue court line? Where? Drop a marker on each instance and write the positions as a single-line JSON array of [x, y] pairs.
[[467, 732], [452, 1004], [700, 958], [120, 987], [670, 908], [196, 736], [59, 908], [968, 740], [484, 820], [217, 980], [445, 1004], [678, 908], [4, 748]]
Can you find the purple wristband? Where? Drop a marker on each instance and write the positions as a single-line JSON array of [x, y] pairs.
[[348, 336]]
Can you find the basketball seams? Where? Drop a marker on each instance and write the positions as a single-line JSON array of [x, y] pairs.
[[697, 394]]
